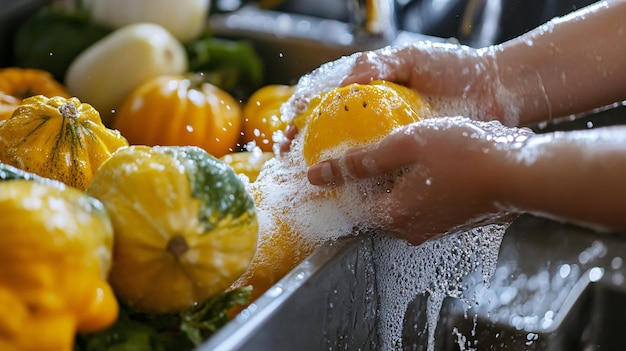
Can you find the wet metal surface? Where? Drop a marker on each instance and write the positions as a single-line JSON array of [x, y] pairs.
[[556, 287]]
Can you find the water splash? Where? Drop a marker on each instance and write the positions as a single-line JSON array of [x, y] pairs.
[[437, 267]]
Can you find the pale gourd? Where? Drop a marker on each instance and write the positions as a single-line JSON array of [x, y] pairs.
[[106, 72]]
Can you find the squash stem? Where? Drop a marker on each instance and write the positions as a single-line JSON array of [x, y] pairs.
[[196, 80], [177, 246], [24, 93], [68, 110]]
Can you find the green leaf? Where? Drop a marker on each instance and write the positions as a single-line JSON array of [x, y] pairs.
[[199, 323], [182, 331], [125, 335], [51, 39], [228, 64]]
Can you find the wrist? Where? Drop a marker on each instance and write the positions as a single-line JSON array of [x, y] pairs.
[[486, 164], [506, 168], [518, 87]]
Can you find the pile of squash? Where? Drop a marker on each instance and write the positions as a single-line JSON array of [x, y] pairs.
[[167, 110], [158, 79], [138, 173], [163, 228]]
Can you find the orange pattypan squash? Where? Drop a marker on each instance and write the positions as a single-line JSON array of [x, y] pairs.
[[57, 138], [173, 110], [8, 104], [17, 84]]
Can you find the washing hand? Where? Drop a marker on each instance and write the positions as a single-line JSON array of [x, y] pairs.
[[449, 176]]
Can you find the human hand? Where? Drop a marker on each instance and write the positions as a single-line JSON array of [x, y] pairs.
[[448, 175], [430, 68], [453, 72], [438, 70]]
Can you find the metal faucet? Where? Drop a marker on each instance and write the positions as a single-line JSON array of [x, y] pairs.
[[373, 19]]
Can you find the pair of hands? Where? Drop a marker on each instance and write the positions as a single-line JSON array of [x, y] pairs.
[[460, 171], [448, 164]]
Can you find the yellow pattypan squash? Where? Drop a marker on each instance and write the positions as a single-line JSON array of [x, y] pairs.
[[356, 114], [58, 138], [185, 226], [55, 255]]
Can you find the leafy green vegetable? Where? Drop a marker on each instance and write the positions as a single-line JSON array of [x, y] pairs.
[[52, 38], [229, 64], [181, 331], [202, 322]]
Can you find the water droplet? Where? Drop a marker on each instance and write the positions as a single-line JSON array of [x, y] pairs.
[[595, 274], [565, 270], [616, 262], [583, 257], [275, 291]]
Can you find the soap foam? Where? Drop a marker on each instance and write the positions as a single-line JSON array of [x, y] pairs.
[[322, 214]]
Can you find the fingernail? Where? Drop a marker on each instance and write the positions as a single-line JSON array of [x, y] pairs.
[[321, 174], [290, 128]]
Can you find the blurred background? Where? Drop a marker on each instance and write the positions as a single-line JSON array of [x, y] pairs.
[[472, 22]]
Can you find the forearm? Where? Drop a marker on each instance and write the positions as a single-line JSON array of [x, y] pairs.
[[575, 176], [570, 65]]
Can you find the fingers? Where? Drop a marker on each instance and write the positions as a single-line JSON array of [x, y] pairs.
[[385, 64], [394, 152], [325, 173], [364, 71], [290, 134]]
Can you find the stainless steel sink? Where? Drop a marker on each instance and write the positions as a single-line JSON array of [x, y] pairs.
[[552, 290], [328, 302], [555, 287]]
